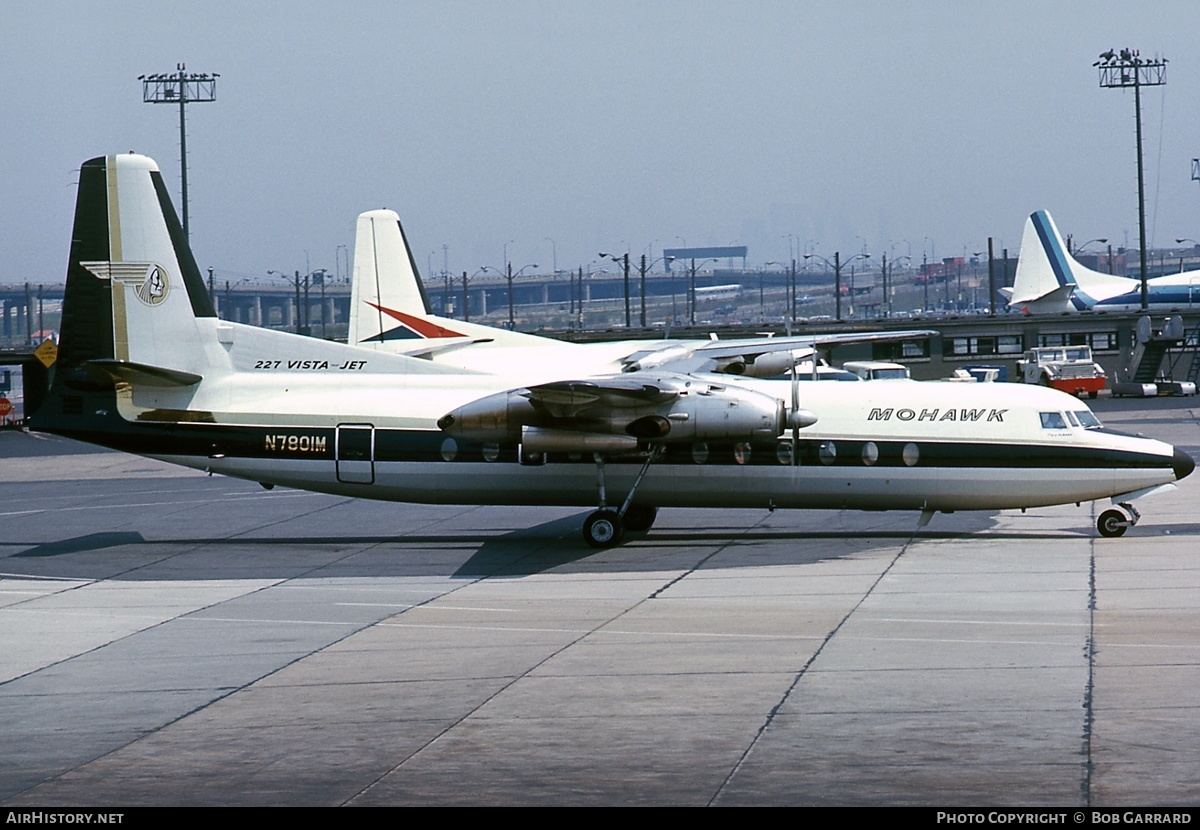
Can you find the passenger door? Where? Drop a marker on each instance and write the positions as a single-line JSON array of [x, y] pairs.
[[355, 453]]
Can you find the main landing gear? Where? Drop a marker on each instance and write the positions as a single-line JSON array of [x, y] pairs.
[[606, 527], [1113, 523]]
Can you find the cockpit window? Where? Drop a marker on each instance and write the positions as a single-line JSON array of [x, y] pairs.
[[1087, 420], [1071, 417], [1053, 420]]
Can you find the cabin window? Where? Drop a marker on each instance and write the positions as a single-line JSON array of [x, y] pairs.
[[449, 449], [827, 452], [1053, 420], [783, 452], [491, 452], [741, 453], [911, 455], [700, 452], [870, 453]]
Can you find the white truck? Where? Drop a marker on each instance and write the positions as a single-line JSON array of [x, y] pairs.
[[1067, 368]]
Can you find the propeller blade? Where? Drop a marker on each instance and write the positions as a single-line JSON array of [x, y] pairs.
[[795, 412]]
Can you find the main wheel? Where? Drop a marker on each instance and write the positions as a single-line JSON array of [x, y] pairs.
[[640, 517], [603, 529], [1112, 523]]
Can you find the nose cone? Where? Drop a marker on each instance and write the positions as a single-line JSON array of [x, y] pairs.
[[1182, 464]]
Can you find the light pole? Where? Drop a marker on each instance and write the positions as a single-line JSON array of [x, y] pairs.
[[509, 276], [1121, 71], [466, 298], [643, 269], [837, 265], [649, 252], [623, 261], [888, 268], [1180, 242], [1077, 248], [297, 281], [181, 88]]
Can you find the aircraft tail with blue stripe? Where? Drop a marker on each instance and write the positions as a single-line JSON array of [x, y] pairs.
[[1050, 280]]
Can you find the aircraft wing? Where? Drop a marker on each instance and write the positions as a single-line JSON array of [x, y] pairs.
[[566, 399], [613, 412], [740, 356]]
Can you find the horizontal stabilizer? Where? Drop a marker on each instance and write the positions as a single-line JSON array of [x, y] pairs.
[[138, 374], [435, 348], [1051, 301]]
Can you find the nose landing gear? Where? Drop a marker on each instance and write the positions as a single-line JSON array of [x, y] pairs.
[[1114, 523]]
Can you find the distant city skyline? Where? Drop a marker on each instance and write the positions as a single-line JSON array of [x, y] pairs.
[[553, 131]]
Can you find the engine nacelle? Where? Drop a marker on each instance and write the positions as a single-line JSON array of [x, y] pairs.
[[539, 440], [494, 418], [683, 410], [724, 413], [766, 365]]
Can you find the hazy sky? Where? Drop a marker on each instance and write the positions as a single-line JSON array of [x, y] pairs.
[[907, 127]]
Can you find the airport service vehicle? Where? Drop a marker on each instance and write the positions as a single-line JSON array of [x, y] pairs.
[[146, 367], [1069, 369], [877, 370], [1050, 281]]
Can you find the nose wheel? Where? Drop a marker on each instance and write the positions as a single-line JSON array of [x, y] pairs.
[[1114, 523]]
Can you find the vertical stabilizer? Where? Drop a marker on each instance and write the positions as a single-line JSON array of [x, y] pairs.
[[1048, 279], [1043, 266], [385, 280], [134, 293]]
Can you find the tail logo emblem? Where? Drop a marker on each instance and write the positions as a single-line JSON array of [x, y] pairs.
[[153, 289], [410, 327], [147, 279]]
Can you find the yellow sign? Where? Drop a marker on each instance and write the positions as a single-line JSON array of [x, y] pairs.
[[47, 353]]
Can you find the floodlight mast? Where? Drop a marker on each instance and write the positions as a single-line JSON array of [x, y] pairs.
[[1121, 70], [181, 88]]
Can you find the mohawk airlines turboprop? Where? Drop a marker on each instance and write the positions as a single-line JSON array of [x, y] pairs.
[[146, 367], [1049, 280]]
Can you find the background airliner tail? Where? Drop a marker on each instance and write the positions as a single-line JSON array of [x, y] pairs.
[[1050, 279], [385, 277], [389, 309]]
